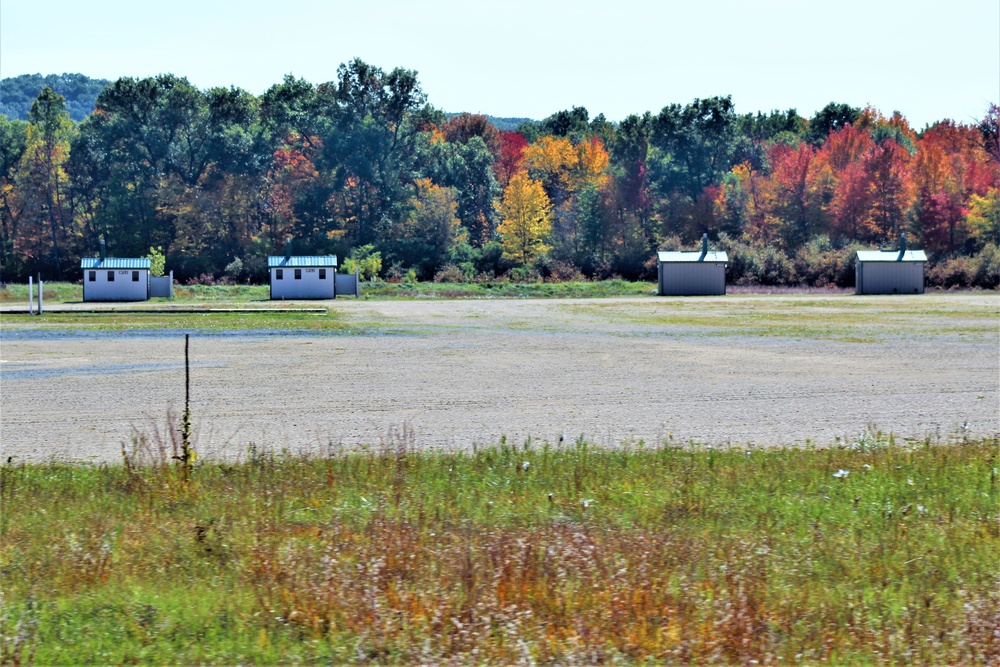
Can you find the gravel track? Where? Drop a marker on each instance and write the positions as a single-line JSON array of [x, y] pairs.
[[465, 372]]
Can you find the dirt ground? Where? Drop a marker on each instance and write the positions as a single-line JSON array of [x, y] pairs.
[[457, 373]]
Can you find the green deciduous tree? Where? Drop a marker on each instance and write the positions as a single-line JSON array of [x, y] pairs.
[[13, 140], [425, 239], [43, 179]]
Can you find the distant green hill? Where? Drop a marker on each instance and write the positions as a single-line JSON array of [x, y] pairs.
[[17, 93], [509, 123]]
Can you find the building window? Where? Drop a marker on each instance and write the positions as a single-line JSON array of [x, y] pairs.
[[322, 274], [298, 274], [135, 276], [279, 274], [92, 276], [111, 276]]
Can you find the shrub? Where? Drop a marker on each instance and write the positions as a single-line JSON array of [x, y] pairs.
[[763, 265], [774, 268], [953, 272], [564, 272], [366, 261], [523, 274], [820, 264], [450, 273], [157, 262], [980, 270], [234, 270], [987, 267], [741, 269], [203, 279]]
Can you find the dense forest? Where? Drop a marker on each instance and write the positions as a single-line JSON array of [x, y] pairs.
[[363, 167]]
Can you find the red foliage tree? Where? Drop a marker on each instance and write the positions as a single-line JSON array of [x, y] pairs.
[[940, 219], [508, 163]]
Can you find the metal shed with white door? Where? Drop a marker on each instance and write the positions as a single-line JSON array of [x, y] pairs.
[[890, 271], [115, 278], [296, 277], [699, 273]]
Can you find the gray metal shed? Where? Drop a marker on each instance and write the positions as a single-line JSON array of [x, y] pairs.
[[698, 273], [890, 271]]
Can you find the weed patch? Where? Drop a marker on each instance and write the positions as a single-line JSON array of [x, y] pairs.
[[876, 551]]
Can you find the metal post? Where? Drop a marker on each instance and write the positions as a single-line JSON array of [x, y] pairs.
[[31, 295], [186, 428], [41, 288], [357, 282], [187, 454]]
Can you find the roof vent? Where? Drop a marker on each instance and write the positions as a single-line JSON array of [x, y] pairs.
[[288, 247], [902, 247], [704, 247], [104, 250]]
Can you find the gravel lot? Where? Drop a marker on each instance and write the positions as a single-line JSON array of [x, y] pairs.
[[464, 372]]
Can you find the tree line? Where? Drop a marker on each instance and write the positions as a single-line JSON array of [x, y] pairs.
[[364, 167]]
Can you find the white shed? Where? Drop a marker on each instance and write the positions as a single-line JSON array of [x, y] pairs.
[[115, 278], [692, 273], [890, 271], [310, 277]]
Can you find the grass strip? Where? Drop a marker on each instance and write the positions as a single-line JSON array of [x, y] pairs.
[[871, 552], [61, 292]]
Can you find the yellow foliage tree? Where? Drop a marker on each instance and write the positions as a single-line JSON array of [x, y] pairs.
[[983, 217], [526, 219], [552, 159], [592, 161]]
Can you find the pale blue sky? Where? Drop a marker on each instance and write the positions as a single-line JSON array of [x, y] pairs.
[[929, 59]]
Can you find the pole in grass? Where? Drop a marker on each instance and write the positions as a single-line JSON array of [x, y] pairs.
[[187, 454], [40, 289], [31, 295]]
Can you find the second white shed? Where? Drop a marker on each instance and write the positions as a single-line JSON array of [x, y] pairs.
[[298, 277], [692, 273]]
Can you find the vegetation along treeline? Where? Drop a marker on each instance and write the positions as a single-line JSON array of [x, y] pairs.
[[365, 168]]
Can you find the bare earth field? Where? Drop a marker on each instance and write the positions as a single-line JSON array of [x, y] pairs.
[[747, 369]]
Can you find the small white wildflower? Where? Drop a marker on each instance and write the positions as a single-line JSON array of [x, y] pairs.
[[524, 466], [921, 509], [840, 474]]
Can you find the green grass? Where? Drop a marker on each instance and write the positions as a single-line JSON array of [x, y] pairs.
[[505, 554], [329, 320], [508, 290], [57, 292], [845, 318]]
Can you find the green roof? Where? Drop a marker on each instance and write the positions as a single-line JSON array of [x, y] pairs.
[[115, 263], [674, 257], [891, 256], [301, 262]]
